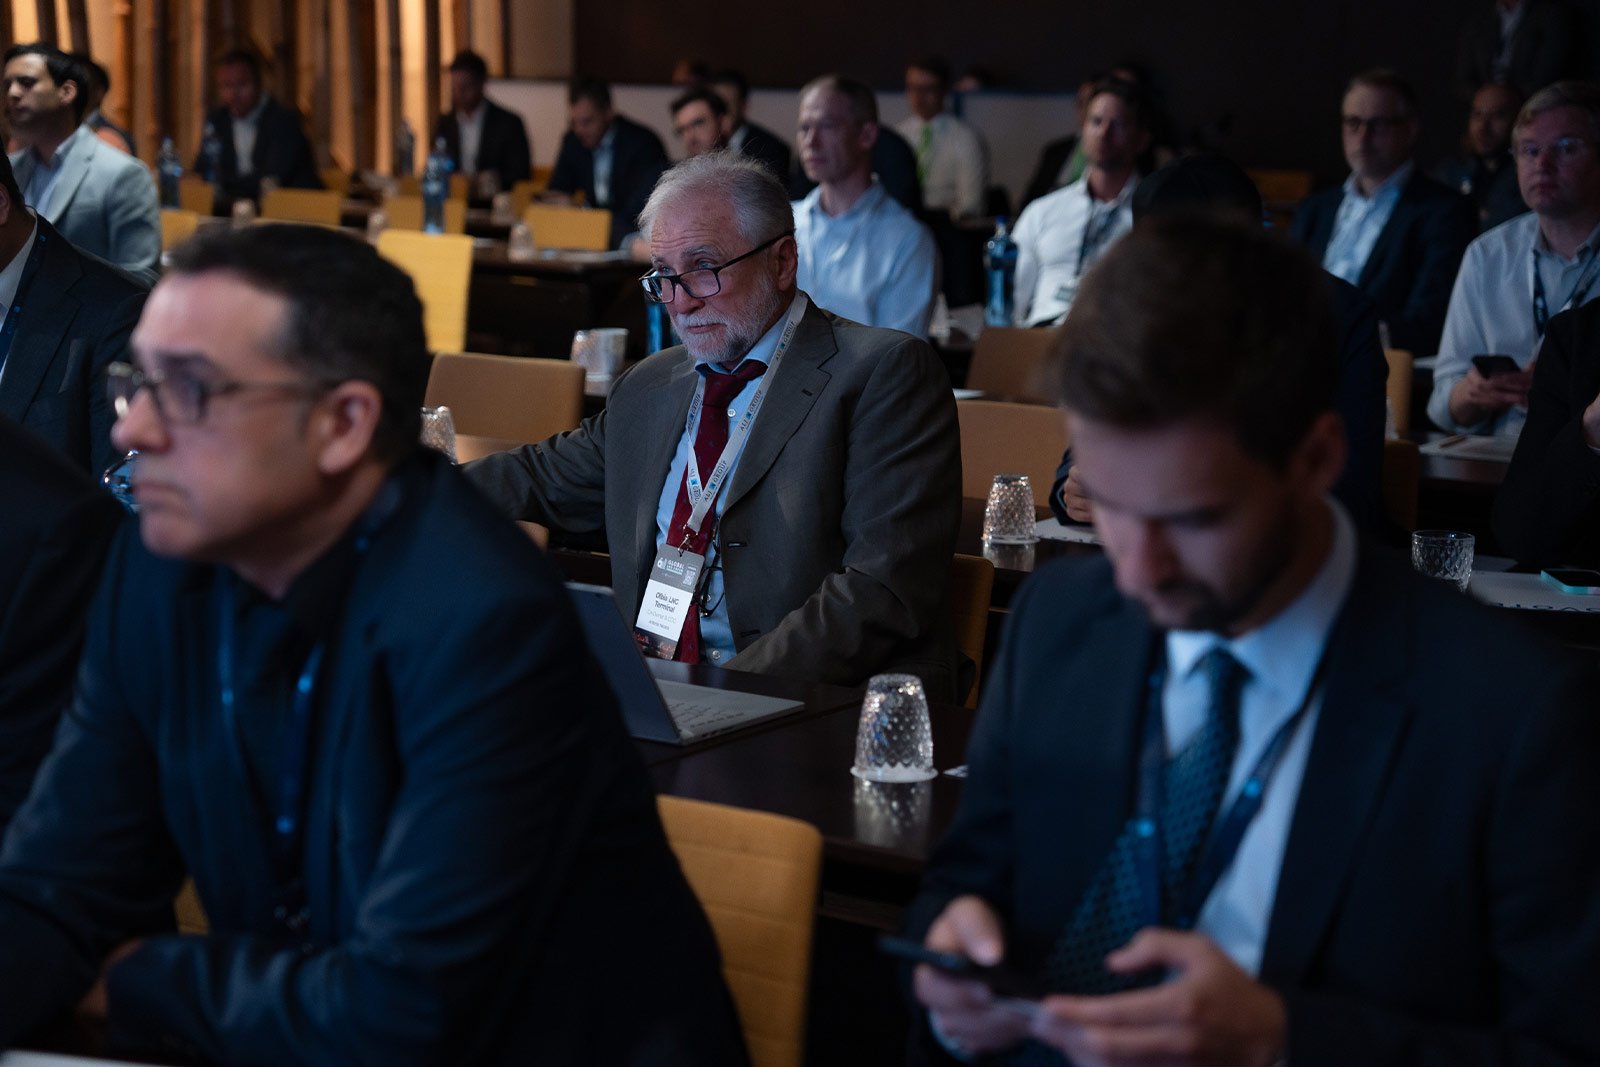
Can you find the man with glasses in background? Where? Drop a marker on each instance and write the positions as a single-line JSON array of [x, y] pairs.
[[331, 685], [1395, 234], [781, 493], [1521, 274]]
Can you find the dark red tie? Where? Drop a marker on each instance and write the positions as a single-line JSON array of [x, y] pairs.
[[709, 442]]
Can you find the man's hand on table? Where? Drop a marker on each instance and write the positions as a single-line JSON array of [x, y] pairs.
[[1075, 500]]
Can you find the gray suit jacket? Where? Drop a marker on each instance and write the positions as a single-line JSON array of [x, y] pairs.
[[104, 202], [838, 525]]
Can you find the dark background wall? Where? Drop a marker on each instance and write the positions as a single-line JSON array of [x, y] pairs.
[[1257, 79]]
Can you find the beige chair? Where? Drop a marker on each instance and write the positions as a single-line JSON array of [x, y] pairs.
[[513, 400], [411, 185], [440, 265], [321, 206], [405, 212], [1402, 468], [1399, 388], [522, 194], [559, 226], [177, 225], [967, 599], [335, 179], [756, 876], [1005, 438], [1282, 186], [196, 194], [1012, 363]]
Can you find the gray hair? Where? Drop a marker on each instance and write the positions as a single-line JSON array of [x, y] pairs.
[[1585, 96], [760, 205]]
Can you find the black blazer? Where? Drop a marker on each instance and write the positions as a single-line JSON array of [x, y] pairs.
[[76, 320], [1052, 157], [1439, 895], [281, 151], [52, 543], [637, 160], [1412, 268], [762, 144], [503, 147], [486, 875], [1545, 48], [1548, 509]]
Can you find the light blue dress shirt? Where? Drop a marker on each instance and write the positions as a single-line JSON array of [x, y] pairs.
[[716, 634], [874, 264], [1359, 222], [603, 156]]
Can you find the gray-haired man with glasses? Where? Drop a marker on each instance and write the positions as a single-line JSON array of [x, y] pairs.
[[1521, 274], [781, 492]]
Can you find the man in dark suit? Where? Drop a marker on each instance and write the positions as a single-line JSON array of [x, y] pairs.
[[258, 137], [1245, 791], [73, 316], [1547, 512], [52, 543], [1529, 43], [496, 135], [1395, 234], [746, 137], [825, 557], [414, 842], [612, 160]]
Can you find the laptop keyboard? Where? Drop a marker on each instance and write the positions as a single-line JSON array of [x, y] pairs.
[[697, 719]]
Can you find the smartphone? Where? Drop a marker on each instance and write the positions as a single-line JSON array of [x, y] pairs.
[[1001, 980], [1573, 580], [1489, 366]]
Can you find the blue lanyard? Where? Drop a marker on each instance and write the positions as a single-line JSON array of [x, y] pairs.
[[1226, 834], [30, 270], [1580, 290]]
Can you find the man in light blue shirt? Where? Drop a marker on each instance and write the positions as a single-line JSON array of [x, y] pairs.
[[862, 255]]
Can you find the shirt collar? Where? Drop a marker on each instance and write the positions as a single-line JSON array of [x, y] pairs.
[[255, 113], [1590, 244], [1116, 202], [11, 274], [867, 201], [1390, 185], [63, 149], [1283, 652], [762, 350]]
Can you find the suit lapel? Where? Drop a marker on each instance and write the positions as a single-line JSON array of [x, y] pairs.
[[1390, 236], [793, 391], [73, 170], [659, 437], [45, 320], [1363, 719]]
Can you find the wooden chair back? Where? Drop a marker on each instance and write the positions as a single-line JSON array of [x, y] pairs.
[[1399, 388], [1012, 362], [196, 194], [560, 226], [998, 437], [967, 599], [177, 225], [513, 399], [1402, 467], [440, 265], [320, 206], [406, 212]]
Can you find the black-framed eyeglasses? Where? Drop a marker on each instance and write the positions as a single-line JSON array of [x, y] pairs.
[[659, 287], [181, 397], [1563, 148]]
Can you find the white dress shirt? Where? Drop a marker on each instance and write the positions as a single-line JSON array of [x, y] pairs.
[[1359, 223], [469, 129], [244, 137], [1059, 236], [1491, 309], [956, 171], [875, 263]]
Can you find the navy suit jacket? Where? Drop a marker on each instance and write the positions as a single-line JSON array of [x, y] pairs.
[[1438, 900], [487, 879], [1412, 268], [76, 320], [281, 152], [52, 543], [502, 147], [637, 160]]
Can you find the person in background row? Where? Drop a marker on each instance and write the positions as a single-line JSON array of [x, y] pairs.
[[862, 255], [259, 138], [700, 119], [1395, 234], [823, 550], [414, 842], [1530, 43], [1059, 236], [1244, 790], [1484, 171], [94, 118], [100, 199], [745, 137], [1517, 276], [480, 136], [952, 161], [73, 315], [612, 160]]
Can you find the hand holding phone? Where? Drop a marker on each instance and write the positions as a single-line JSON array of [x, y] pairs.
[[1492, 366], [1001, 980], [963, 1009]]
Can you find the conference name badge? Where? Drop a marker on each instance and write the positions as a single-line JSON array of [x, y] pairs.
[[668, 599]]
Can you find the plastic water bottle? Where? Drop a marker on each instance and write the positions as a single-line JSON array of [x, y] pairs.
[[170, 170], [211, 155], [405, 150], [1000, 260], [435, 188]]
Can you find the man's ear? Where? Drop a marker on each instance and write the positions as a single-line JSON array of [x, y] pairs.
[[343, 424]]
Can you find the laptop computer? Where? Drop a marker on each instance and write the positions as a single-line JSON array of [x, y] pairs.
[[673, 712]]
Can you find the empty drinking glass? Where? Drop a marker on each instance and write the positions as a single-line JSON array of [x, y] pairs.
[[439, 431], [1443, 554], [1009, 517], [894, 741]]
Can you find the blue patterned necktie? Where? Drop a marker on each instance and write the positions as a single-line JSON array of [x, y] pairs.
[[1193, 782]]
